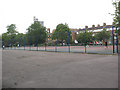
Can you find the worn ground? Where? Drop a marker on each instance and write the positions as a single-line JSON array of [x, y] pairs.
[[36, 69]]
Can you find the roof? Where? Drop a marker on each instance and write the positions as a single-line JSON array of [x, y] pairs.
[[94, 28]]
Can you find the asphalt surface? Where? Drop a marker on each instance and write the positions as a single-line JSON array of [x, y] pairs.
[[36, 69]]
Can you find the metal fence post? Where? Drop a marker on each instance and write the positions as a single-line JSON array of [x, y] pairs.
[[19, 43], [55, 43], [30, 43], [11, 43], [113, 39], [15, 44], [68, 41], [24, 43], [37, 42], [45, 41], [85, 40], [117, 41], [8, 43], [4, 44]]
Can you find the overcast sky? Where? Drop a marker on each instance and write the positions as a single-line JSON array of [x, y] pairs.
[[76, 13]]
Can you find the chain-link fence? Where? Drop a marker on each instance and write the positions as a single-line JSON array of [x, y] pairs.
[[72, 41]]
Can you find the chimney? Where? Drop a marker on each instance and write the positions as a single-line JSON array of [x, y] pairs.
[[86, 27], [48, 30], [98, 25], [104, 24], [93, 26]]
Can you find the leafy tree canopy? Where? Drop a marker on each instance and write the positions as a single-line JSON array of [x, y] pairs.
[[62, 31], [103, 35], [11, 29], [81, 37], [11, 32], [12, 36], [117, 15], [36, 32]]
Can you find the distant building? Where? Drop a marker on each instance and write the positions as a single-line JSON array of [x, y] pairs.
[[36, 20], [94, 29], [49, 35], [97, 29], [74, 33], [42, 23]]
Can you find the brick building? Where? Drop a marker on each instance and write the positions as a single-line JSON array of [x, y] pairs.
[[97, 29], [94, 29]]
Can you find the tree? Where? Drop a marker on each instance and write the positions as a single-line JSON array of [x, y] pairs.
[[117, 15], [62, 32], [103, 35], [11, 29], [10, 34], [20, 39], [36, 32], [4, 37], [81, 37]]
